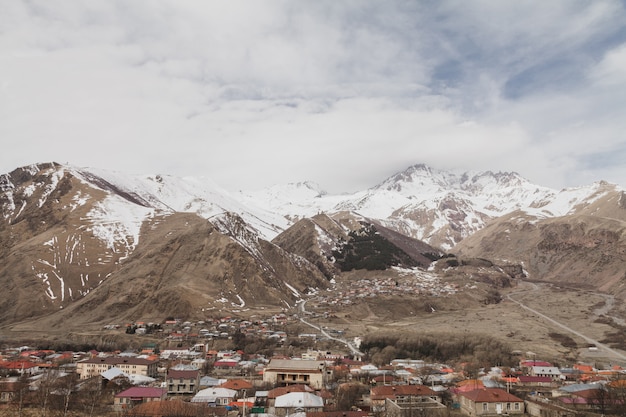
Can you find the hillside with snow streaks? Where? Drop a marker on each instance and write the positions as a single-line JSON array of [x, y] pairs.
[[83, 236], [117, 223], [191, 195], [439, 207]]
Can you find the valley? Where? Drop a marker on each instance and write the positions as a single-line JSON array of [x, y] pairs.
[[531, 318], [85, 249]]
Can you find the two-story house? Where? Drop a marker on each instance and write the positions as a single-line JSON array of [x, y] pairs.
[[183, 382], [394, 399], [283, 372]]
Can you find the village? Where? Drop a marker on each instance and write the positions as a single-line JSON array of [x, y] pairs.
[[281, 373]]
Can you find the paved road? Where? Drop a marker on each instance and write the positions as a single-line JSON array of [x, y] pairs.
[[603, 347], [302, 309]]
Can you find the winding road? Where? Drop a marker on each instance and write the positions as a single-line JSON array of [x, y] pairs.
[[302, 310], [611, 352]]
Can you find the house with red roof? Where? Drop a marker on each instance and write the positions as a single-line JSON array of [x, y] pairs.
[[138, 395], [240, 385], [490, 402], [535, 381], [21, 367]]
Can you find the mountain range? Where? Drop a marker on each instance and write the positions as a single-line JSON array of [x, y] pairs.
[[90, 246]]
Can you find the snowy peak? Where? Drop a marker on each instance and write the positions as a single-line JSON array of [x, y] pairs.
[[418, 178], [437, 206], [421, 179]]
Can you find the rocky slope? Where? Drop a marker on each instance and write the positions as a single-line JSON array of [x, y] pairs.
[[586, 248], [85, 245], [85, 249]]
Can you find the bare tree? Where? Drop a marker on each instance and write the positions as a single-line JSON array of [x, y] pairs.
[[45, 385], [348, 394], [64, 388], [20, 393], [91, 393]]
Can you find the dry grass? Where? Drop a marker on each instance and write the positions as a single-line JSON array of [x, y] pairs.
[[506, 321]]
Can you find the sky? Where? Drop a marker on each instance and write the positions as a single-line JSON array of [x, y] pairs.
[[341, 93]]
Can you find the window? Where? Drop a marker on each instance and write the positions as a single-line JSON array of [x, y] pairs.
[[517, 406], [485, 406], [508, 406]]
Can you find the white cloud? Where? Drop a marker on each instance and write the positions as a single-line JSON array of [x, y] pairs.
[[341, 93]]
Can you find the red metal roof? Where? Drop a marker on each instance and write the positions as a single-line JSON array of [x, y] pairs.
[[491, 395], [142, 392]]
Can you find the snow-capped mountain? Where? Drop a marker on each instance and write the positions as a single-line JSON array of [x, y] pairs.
[[72, 238], [439, 207]]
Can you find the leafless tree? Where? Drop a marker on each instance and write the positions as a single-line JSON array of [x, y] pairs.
[[20, 394], [90, 395]]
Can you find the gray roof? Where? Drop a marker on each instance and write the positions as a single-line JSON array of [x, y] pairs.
[[210, 395], [299, 399], [580, 387]]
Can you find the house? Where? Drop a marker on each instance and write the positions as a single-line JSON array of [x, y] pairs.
[[137, 395], [183, 382], [490, 402], [135, 379], [240, 385], [21, 367], [277, 392], [208, 381], [9, 388], [128, 365], [215, 396], [404, 396], [535, 381], [168, 409], [589, 396], [226, 364], [294, 402], [551, 371], [283, 372]]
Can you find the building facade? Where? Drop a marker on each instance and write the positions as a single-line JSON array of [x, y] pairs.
[[490, 402], [183, 382], [130, 366], [283, 372]]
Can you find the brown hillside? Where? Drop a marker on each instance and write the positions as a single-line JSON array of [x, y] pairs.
[[578, 250]]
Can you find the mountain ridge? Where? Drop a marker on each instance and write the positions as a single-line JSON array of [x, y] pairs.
[[70, 236]]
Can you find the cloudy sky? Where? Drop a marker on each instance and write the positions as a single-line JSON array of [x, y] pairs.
[[342, 93]]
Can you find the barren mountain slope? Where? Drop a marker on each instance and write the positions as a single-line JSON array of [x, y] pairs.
[[51, 253], [577, 250], [78, 248], [185, 267]]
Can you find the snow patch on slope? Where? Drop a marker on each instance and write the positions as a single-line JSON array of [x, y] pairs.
[[118, 223]]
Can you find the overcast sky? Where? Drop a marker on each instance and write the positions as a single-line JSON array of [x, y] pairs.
[[341, 93]]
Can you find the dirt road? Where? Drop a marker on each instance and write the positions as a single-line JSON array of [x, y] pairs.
[[609, 352]]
